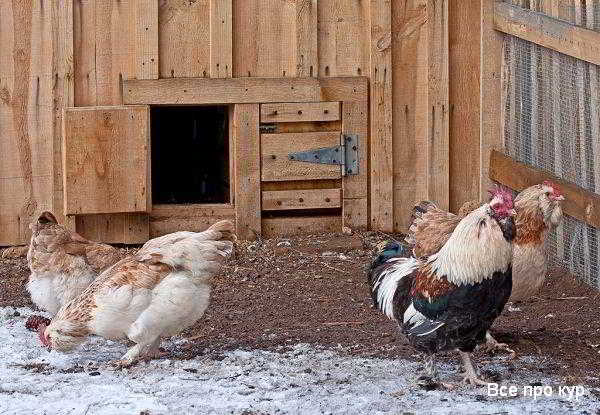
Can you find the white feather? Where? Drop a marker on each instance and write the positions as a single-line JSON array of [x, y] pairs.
[[388, 281], [473, 252], [414, 318], [49, 291]]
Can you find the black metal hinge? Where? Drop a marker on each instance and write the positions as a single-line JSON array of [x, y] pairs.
[[344, 155]]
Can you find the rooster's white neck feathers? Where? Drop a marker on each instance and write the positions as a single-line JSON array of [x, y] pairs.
[[474, 251]]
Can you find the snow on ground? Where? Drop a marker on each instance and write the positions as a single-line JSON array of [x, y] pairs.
[[304, 380]]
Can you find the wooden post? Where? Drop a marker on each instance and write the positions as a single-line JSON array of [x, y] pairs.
[[354, 207], [491, 94], [439, 144], [146, 39], [307, 58], [382, 180], [464, 67], [62, 17], [221, 49], [247, 170]]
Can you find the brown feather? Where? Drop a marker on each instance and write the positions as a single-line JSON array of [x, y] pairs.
[[432, 229], [430, 286]]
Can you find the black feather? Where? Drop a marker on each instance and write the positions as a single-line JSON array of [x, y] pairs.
[[467, 312]]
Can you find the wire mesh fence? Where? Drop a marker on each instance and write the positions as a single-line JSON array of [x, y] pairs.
[[551, 105]]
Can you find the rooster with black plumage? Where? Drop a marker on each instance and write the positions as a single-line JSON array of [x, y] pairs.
[[449, 300]]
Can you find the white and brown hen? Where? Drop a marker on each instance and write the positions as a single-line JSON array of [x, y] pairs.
[[153, 294], [62, 263]]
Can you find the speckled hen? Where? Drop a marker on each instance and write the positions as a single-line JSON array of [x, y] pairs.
[[153, 294]]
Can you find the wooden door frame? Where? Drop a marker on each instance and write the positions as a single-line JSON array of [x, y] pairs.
[[244, 96]]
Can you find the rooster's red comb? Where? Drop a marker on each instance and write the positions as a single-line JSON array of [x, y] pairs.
[[503, 193]]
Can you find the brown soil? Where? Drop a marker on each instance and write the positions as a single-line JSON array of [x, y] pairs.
[[312, 289]]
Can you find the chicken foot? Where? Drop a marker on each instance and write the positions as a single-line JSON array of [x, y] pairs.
[[131, 357], [429, 378], [470, 375], [155, 352], [134, 354], [493, 344]]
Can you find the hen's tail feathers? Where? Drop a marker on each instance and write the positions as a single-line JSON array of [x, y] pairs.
[[200, 253], [226, 228], [468, 207], [47, 217], [417, 213], [220, 230]]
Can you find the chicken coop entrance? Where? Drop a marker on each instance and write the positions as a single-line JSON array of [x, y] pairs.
[[190, 154]]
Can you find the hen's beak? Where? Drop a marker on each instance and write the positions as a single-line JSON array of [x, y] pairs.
[[560, 197], [512, 212]]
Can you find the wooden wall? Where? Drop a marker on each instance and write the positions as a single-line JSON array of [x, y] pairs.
[[422, 63], [33, 87]]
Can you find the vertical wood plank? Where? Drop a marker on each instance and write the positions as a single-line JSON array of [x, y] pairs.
[[491, 94], [220, 38], [9, 223], [343, 37], [264, 40], [108, 89], [84, 40], [464, 66], [25, 51], [63, 90], [146, 39], [306, 38], [355, 192], [247, 170], [410, 89], [438, 170], [382, 184], [276, 39], [245, 37], [184, 38]]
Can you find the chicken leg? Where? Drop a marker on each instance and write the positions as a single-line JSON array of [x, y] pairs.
[[470, 372], [492, 344], [131, 357], [429, 378], [155, 352]]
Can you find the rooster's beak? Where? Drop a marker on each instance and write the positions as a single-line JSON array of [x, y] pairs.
[[561, 197], [512, 212]]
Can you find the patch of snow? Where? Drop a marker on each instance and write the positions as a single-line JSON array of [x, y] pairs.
[[305, 380]]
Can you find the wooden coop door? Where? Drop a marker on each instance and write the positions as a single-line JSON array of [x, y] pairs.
[[106, 167], [306, 169]]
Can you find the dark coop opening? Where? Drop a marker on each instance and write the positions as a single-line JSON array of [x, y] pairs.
[[190, 155]]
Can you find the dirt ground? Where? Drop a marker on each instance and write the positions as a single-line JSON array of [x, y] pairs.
[[312, 289]]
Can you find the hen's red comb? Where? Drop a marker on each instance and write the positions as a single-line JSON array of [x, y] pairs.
[[555, 188]]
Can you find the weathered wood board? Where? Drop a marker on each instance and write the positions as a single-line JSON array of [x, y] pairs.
[[300, 112], [106, 160], [276, 166], [301, 199]]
